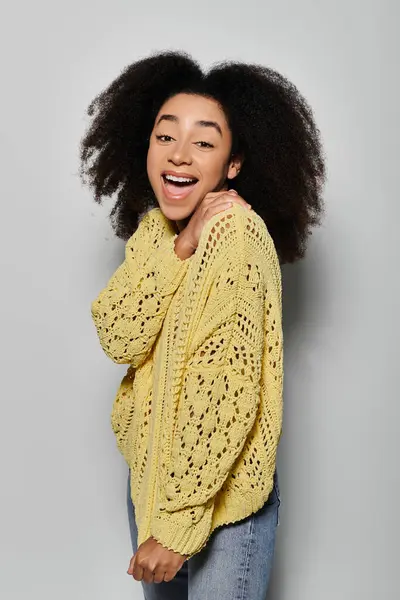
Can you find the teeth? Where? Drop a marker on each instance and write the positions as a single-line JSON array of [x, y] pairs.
[[179, 179]]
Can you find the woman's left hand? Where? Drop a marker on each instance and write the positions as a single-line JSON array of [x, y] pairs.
[[153, 563]]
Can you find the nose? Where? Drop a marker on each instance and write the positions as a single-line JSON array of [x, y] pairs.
[[180, 154]]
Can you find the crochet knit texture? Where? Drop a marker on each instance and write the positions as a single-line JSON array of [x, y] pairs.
[[198, 415]]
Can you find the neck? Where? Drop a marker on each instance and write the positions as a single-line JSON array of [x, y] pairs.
[[180, 225]]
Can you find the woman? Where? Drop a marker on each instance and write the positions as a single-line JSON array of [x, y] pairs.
[[195, 308]]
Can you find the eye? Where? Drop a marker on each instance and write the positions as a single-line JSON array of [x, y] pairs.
[[164, 138], [204, 145]]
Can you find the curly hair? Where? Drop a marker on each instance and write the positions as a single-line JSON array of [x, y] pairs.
[[272, 127]]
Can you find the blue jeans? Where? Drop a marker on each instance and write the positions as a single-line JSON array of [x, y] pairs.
[[234, 565]]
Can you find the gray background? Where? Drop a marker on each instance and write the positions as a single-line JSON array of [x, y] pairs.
[[63, 529]]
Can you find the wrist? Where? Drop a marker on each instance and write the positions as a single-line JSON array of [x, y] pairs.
[[183, 246]]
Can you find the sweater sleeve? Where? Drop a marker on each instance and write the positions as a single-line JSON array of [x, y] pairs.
[[129, 312], [217, 406]]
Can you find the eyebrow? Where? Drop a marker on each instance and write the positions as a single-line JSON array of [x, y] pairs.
[[175, 119]]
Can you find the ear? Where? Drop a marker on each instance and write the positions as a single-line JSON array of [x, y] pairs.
[[235, 165]]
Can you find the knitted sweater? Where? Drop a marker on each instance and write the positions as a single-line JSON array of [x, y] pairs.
[[198, 415]]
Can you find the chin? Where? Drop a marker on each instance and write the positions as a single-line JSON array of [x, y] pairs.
[[176, 212]]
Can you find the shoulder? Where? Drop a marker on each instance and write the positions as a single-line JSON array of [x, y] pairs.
[[239, 222], [152, 227], [151, 217], [241, 234]]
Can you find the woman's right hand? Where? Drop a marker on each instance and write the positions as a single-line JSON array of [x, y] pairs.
[[213, 203]]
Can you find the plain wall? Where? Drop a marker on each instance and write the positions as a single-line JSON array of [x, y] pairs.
[[63, 527]]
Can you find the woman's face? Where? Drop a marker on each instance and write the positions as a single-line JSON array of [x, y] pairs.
[[189, 154]]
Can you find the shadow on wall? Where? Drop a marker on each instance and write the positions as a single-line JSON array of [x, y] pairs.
[[301, 296]]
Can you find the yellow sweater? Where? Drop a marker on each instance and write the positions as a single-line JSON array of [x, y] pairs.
[[198, 415]]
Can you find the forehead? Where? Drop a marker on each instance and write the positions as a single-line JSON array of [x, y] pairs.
[[193, 108]]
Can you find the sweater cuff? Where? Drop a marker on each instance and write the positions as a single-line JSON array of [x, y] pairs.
[[184, 531]]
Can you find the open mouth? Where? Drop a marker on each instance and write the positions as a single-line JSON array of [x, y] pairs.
[[179, 181], [178, 186]]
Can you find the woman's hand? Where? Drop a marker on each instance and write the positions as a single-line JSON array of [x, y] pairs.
[[213, 203], [153, 563]]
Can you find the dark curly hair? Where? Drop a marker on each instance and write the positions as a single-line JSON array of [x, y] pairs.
[[272, 128]]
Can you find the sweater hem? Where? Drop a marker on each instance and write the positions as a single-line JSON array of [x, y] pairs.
[[191, 540]]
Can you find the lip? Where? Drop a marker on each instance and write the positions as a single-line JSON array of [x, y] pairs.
[[180, 174]]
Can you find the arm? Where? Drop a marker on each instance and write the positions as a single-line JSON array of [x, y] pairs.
[[130, 311], [217, 409]]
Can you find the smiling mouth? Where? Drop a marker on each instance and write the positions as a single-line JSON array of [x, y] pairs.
[[177, 187], [179, 182]]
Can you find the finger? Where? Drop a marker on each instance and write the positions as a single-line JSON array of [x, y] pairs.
[[148, 576], [131, 565], [228, 199], [137, 572], [169, 575], [231, 196], [238, 199], [213, 196], [214, 209], [159, 575]]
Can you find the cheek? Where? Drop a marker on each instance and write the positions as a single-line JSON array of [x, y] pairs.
[[151, 162], [215, 168]]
